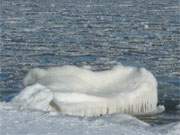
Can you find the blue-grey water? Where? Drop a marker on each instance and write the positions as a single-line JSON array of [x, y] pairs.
[[100, 33]]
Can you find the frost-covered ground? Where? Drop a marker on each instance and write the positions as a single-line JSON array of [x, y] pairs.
[[16, 122]]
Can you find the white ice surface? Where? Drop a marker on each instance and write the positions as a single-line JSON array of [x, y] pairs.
[[80, 91], [15, 122]]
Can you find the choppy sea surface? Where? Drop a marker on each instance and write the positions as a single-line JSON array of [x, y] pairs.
[[100, 33]]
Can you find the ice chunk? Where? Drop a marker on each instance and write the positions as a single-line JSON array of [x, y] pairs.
[[81, 91], [34, 97]]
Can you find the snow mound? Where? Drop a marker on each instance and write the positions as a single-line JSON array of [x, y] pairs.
[[80, 91]]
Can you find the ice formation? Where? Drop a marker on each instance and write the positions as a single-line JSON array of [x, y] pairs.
[[80, 91]]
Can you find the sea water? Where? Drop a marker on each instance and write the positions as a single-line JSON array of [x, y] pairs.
[[99, 33]]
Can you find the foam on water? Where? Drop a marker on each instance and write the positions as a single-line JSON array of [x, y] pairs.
[[83, 92]]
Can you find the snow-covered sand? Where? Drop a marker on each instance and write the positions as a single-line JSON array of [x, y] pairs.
[[80, 91], [16, 122]]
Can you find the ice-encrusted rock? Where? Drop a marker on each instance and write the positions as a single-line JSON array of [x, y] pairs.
[[80, 91]]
